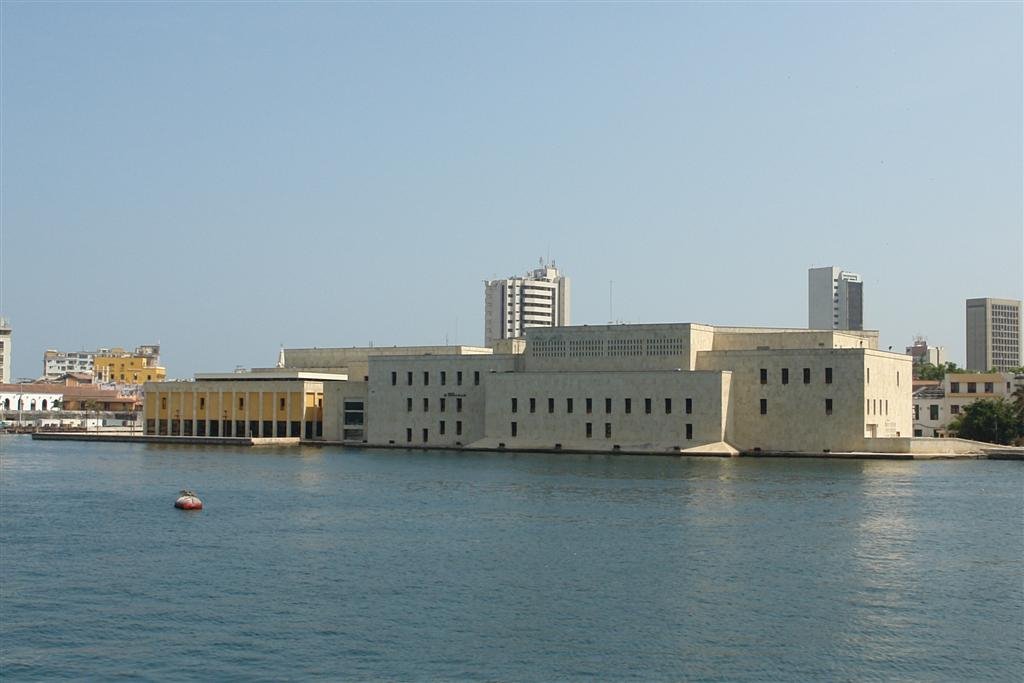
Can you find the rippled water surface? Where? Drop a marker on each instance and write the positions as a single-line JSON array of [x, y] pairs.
[[368, 565]]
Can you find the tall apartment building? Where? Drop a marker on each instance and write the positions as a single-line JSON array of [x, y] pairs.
[[835, 299], [56, 363], [107, 364], [921, 352], [993, 334], [538, 299], [5, 351]]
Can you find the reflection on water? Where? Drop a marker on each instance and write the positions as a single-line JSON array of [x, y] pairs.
[[450, 565]]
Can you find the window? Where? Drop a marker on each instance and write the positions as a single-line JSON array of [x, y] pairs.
[[408, 378], [425, 434], [241, 403], [202, 402], [458, 428], [590, 429], [897, 379], [764, 406], [458, 378], [442, 404], [689, 431], [917, 414], [607, 430], [394, 378], [426, 404], [828, 406], [408, 434], [163, 402], [689, 406], [515, 429], [764, 375], [628, 406], [785, 375], [954, 387], [476, 377], [426, 378], [515, 405], [444, 378], [607, 406], [458, 405], [533, 405], [807, 375], [551, 405], [408, 405], [568, 405], [972, 387], [868, 370], [590, 406], [668, 406], [954, 410], [828, 375], [280, 405], [933, 412], [440, 427], [989, 387], [647, 406]]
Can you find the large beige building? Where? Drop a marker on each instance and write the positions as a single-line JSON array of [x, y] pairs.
[[993, 334], [513, 305], [649, 388]]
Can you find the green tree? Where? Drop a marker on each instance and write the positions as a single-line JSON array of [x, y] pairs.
[[936, 372], [991, 420]]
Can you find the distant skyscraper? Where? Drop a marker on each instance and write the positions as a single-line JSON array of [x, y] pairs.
[[538, 299], [993, 334], [5, 351], [835, 299]]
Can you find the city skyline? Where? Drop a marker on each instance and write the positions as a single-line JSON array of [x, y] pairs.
[[227, 199]]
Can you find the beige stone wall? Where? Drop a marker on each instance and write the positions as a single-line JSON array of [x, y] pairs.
[[613, 347], [617, 414], [403, 409], [336, 395]]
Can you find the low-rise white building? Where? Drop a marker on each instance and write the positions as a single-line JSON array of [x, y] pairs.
[[935, 406]]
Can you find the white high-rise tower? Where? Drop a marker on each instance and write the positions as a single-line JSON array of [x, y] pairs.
[[538, 299], [835, 299]]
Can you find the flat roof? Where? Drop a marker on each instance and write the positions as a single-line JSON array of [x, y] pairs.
[[263, 376]]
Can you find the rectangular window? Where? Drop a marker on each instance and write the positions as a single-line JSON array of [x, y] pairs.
[[476, 377], [897, 379], [442, 404], [426, 404], [590, 429], [163, 402], [628, 406], [933, 412], [458, 428], [647, 406], [785, 375], [202, 402], [568, 405], [607, 405], [551, 405], [425, 434], [458, 405], [828, 375], [689, 406], [607, 430], [828, 406], [408, 378], [917, 412], [668, 406], [590, 406], [515, 405], [807, 375], [954, 387], [426, 379], [989, 387], [689, 431], [440, 427], [408, 434], [868, 370], [515, 429], [764, 375], [444, 378], [972, 387], [458, 378], [764, 406], [241, 403], [533, 405], [394, 378], [954, 410], [281, 405]]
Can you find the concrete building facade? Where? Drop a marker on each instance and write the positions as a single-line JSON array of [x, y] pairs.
[[993, 334], [540, 298], [835, 299]]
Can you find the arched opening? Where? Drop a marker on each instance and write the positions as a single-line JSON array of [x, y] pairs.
[[33, 405], [7, 404], [44, 404]]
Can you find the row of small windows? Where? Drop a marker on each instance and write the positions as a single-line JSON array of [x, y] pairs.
[[588, 430], [442, 404], [556, 347], [441, 428], [972, 387], [764, 406], [588, 403], [442, 378], [807, 376]]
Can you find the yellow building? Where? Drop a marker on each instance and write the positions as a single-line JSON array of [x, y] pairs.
[[258, 405], [117, 365]]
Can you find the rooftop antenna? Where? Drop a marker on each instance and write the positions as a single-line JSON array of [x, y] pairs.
[[611, 318]]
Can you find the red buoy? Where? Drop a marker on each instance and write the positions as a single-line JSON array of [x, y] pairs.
[[187, 500]]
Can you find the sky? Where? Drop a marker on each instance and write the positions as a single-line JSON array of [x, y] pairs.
[[228, 178]]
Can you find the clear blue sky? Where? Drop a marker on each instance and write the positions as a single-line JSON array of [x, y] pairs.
[[227, 178]]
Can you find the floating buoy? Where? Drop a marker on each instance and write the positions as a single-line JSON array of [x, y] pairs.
[[188, 500]]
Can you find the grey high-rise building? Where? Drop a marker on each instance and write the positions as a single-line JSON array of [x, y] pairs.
[[835, 299], [538, 299], [993, 334]]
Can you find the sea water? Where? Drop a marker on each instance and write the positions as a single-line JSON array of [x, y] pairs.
[[439, 565]]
